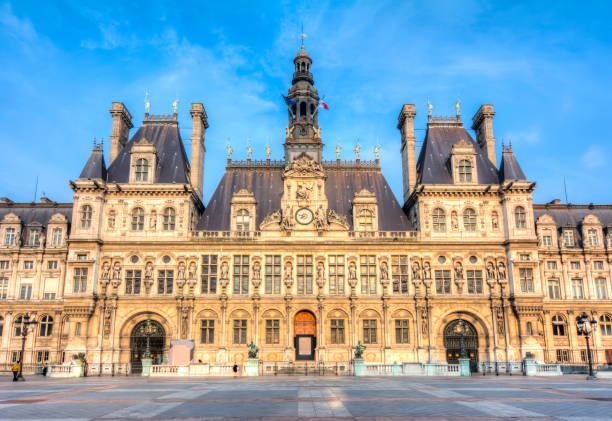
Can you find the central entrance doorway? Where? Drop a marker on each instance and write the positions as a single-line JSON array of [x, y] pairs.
[[461, 335], [305, 340], [148, 338]]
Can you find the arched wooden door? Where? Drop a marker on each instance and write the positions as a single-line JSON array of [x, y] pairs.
[[305, 340]]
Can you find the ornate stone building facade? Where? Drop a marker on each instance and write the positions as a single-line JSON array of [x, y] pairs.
[[304, 257]]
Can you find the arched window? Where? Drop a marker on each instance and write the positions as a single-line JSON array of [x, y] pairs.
[[243, 220], [439, 220], [529, 329], [520, 218], [86, 216], [46, 325], [365, 220], [465, 171], [142, 169], [18, 326], [605, 323], [138, 219], [558, 325], [469, 219], [169, 219], [303, 110]]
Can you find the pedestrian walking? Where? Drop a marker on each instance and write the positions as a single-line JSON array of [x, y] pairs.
[[15, 369], [235, 369], [45, 369]]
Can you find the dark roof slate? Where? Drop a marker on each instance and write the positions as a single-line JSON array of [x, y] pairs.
[[571, 216], [433, 165], [95, 167], [172, 162], [510, 168], [266, 184]]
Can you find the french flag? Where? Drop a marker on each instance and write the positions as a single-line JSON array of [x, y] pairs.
[[323, 104]]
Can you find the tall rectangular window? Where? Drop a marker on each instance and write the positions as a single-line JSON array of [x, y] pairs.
[[4, 264], [526, 277], [80, 280], [9, 236], [209, 274], [336, 273], [42, 356], [575, 265], [272, 332], [443, 281], [563, 355], [207, 331], [52, 265], [601, 288], [474, 281], [34, 238], [28, 265], [165, 281], [3, 288], [568, 238], [399, 274], [369, 331], [551, 265], [367, 273], [57, 237], [337, 331], [241, 274], [554, 289], [133, 279], [240, 332], [304, 274], [577, 289], [25, 292], [273, 274], [547, 240], [401, 331], [592, 237], [598, 265]]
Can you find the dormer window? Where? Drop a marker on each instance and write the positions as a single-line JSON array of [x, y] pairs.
[[365, 220], [243, 211], [9, 236], [469, 219], [592, 237], [243, 220], [86, 213], [138, 217], [568, 238], [57, 237], [34, 238], [142, 170], [520, 217], [465, 171]]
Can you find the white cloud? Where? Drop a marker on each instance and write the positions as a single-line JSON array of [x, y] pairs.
[[594, 157]]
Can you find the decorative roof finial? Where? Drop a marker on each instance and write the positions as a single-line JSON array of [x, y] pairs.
[[458, 107], [429, 109], [357, 150], [377, 152], [338, 149], [147, 103], [249, 149], [229, 149], [175, 105], [268, 151], [302, 35]]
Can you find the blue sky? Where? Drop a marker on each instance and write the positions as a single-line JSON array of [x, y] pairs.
[[546, 67]]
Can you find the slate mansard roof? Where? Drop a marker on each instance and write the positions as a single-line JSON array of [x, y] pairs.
[[266, 183], [568, 216], [35, 214], [510, 168]]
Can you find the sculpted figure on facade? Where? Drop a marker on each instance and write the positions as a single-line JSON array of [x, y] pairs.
[[500, 320], [148, 276], [426, 270], [490, 271], [288, 275], [286, 221], [153, 220], [494, 221], [105, 271], [384, 272], [181, 271], [117, 271], [352, 272], [416, 271], [271, 218], [454, 221], [320, 219], [458, 271], [501, 271], [111, 220], [304, 191], [334, 217]]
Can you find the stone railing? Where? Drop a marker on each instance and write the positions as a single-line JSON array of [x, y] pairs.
[[227, 235], [412, 369], [548, 370], [193, 370], [356, 235], [500, 367], [441, 369], [108, 369]]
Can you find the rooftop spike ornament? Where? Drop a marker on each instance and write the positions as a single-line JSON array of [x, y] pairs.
[[458, 108], [175, 105], [147, 103], [429, 109]]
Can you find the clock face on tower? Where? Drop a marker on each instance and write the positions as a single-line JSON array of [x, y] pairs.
[[304, 216]]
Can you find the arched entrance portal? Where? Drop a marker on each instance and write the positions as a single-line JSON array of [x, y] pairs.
[[305, 330], [460, 336], [147, 339]]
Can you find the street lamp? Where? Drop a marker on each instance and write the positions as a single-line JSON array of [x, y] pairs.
[[585, 327], [25, 328], [148, 330], [460, 329]]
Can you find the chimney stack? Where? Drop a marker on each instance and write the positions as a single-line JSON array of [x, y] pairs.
[[405, 123], [122, 123], [482, 123], [198, 148]]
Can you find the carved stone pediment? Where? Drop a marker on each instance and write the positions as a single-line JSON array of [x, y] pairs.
[[304, 165]]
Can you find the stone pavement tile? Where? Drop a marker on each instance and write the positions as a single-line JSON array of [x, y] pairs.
[[233, 409], [510, 393], [142, 410], [379, 393], [113, 395], [59, 411], [409, 409], [501, 409], [260, 393], [593, 409]]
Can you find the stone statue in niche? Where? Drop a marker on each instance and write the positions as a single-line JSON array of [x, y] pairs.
[[181, 271], [494, 221], [454, 220], [320, 221], [501, 271], [424, 327], [256, 270], [320, 270], [105, 271], [384, 271], [426, 270], [416, 271], [111, 220], [117, 270], [352, 271], [304, 191], [288, 275], [224, 271], [153, 220], [500, 321], [191, 272], [458, 271], [490, 271]]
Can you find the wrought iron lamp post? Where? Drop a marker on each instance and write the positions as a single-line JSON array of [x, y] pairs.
[[25, 329], [585, 327], [148, 330], [460, 329]]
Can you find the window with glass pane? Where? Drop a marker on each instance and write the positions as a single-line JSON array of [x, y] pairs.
[[551, 265], [34, 238], [575, 265], [272, 332], [142, 169], [9, 236], [56, 236], [138, 219], [336, 271], [169, 219], [601, 288], [304, 274], [439, 220], [577, 289], [25, 292], [526, 277], [554, 289], [241, 274], [337, 331], [273, 274], [80, 280], [18, 326], [474, 281], [49, 296], [4, 264], [28, 264], [207, 331], [42, 356], [443, 281], [401, 331], [520, 217], [86, 213], [568, 238], [367, 273], [165, 281], [563, 355], [133, 279], [598, 265], [3, 288], [547, 240], [399, 274], [465, 171], [209, 274], [605, 324], [558, 325], [369, 331], [243, 220], [365, 220], [529, 329], [240, 332], [52, 265], [46, 326], [469, 220], [592, 237]]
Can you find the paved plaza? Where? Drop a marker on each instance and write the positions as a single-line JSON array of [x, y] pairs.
[[134, 398]]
